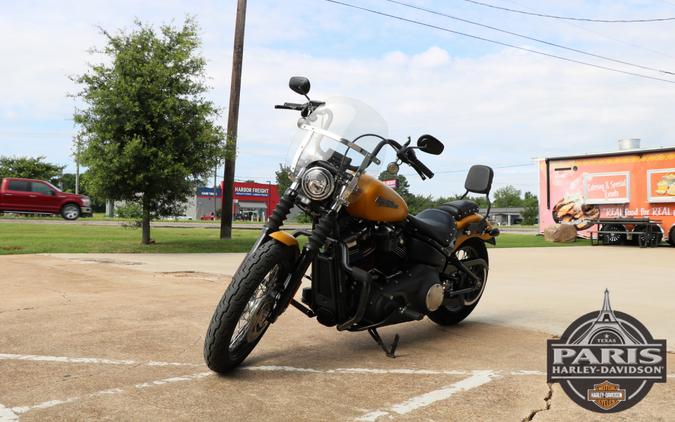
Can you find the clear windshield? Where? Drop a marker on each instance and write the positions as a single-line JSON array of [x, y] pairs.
[[319, 134]]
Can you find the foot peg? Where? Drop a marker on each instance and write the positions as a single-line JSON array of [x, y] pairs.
[[390, 351]]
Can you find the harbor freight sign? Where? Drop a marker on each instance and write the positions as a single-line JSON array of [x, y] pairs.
[[251, 191], [606, 361]]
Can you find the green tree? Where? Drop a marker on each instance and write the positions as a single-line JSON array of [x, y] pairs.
[[29, 168], [507, 197], [147, 131], [531, 211], [67, 183], [283, 176]]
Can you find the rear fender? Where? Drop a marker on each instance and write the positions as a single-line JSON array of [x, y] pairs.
[[477, 242]]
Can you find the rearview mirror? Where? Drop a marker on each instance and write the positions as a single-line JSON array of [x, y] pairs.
[[299, 84], [430, 145]]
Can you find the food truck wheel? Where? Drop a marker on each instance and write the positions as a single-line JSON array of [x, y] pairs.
[[671, 236], [617, 235], [654, 239]]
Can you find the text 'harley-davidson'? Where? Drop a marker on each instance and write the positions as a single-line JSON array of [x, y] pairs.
[[372, 263]]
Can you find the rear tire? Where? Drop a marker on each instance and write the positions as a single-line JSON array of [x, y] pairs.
[[70, 212], [240, 320], [451, 315], [671, 236]]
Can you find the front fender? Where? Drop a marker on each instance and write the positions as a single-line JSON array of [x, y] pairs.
[[286, 239]]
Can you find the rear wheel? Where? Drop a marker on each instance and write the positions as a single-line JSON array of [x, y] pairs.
[[671, 236], [242, 316], [457, 308], [645, 239]]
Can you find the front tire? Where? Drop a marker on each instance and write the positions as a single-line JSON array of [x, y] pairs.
[[70, 212], [241, 318]]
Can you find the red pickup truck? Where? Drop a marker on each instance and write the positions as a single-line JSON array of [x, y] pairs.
[[40, 197]]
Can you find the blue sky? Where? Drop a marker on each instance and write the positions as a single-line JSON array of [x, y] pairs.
[[489, 104]]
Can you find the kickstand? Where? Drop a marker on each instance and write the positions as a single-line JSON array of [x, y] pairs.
[[391, 351]]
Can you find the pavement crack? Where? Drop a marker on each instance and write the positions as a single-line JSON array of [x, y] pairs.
[[547, 402], [19, 309]]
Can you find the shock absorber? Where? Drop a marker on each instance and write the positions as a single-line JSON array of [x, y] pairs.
[[320, 232], [316, 240], [281, 211]]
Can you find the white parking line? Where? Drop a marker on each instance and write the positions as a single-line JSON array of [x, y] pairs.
[[366, 371], [101, 361], [108, 392], [7, 415], [476, 380]]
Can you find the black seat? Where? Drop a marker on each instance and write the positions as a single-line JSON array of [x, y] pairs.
[[460, 208], [436, 224]]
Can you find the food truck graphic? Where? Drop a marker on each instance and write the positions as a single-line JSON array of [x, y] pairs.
[[624, 186]]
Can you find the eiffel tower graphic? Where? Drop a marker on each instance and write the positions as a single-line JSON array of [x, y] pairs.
[[608, 327]]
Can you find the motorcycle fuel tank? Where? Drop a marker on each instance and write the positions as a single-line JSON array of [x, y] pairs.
[[376, 202]]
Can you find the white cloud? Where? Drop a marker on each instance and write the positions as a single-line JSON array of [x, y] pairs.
[[497, 107]]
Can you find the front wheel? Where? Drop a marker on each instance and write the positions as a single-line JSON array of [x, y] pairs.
[[242, 316], [70, 212]]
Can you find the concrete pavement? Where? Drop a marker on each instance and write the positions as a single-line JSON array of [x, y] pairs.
[[119, 337]]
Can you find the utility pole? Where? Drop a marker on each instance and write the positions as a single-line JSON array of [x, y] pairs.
[[215, 192], [78, 147], [77, 172], [232, 121]]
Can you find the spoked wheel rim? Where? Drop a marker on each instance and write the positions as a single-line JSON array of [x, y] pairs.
[[615, 234], [254, 319], [456, 303]]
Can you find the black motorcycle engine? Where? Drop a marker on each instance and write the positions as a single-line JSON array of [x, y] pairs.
[[400, 290]]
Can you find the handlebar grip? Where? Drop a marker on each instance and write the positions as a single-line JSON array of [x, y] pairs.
[[408, 155], [289, 106], [422, 168]]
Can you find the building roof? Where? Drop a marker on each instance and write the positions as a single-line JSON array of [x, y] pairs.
[[637, 151]]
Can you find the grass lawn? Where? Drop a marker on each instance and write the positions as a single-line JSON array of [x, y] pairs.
[[16, 238], [102, 217], [42, 238], [513, 240]]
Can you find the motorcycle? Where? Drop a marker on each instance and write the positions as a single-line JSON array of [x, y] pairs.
[[372, 263]]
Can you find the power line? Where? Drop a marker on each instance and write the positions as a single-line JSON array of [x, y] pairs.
[[508, 166], [529, 50], [639, 47], [529, 38], [569, 18]]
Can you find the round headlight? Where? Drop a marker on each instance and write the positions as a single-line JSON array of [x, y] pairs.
[[317, 183]]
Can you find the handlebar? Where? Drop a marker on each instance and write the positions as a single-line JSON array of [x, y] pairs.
[[304, 109], [421, 169], [289, 106], [408, 156]]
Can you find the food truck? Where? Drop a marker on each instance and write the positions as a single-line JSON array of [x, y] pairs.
[[620, 197]]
